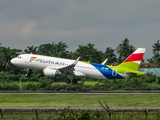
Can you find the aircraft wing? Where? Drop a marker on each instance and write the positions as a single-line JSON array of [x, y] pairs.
[[70, 67], [66, 69]]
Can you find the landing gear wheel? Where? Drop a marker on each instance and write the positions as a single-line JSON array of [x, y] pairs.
[[74, 81], [68, 81]]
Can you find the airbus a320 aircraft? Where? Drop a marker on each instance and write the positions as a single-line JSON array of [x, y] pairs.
[[53, 66]]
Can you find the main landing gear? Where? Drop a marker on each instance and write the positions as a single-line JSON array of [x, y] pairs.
[[68, 81], [74, 81]]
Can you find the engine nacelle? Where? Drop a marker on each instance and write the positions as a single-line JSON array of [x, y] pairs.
[[51, 72]]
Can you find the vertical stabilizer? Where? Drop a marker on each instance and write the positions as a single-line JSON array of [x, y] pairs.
[[134, 60]]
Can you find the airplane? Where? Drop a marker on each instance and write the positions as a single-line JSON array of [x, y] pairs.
[[54, 66]]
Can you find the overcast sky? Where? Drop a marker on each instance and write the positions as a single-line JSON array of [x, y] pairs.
[[104, 23]]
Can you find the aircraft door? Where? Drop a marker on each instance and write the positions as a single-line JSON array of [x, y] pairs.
[[27, 58], [114, 72]]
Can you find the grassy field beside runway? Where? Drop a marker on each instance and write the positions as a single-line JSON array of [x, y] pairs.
[[54, 83], [78, 100]]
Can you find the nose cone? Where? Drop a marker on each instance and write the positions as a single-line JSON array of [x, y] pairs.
[[13, 61]]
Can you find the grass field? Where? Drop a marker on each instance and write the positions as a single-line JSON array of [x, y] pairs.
[[55, 83], [63, 100]]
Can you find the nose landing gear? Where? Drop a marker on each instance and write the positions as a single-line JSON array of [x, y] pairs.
[[29, 73]]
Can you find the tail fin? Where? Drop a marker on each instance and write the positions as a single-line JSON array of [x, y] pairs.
[[134, 60]]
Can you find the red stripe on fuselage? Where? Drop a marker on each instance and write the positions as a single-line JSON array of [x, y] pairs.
[[135, 57], [33, 57]]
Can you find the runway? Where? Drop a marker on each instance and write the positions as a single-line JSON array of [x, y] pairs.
[[75, 92]]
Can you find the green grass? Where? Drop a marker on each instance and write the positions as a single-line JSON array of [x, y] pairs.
[[23, 83], [153, 85], [63, 100], [93, 83]]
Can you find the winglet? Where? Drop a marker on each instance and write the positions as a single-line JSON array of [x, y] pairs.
[[104, 62], [75, 62]]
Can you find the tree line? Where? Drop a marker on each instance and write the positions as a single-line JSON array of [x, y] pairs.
[[87, 52], [10, 73]]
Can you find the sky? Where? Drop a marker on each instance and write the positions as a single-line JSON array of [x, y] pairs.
[[104, 23]]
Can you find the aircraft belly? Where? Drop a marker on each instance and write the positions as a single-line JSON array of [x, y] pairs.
[[93, 74]]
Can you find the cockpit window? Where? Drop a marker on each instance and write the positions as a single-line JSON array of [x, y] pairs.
[[19, 57]]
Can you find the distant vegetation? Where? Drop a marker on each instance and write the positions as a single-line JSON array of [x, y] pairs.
[[9, 74], [10, 82]]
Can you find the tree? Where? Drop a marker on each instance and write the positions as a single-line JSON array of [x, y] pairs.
[[156, 48], [150, 60], [110, 55], [157, 61], [60, 50], [56, 50], [32, 49], [124, 50], [46, 49], [6, 54], [88, 53]]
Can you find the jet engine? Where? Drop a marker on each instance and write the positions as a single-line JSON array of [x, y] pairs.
[[51, 72]]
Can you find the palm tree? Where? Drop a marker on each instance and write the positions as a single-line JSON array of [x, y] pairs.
[[88, 53], [6, 54], [56, 50], [46, 49], [157, 61], [150, 60], [81, 51], [124, 50], [131, 49], [32, 49], [156, 47], [60, 50], [156, 50], [110, 55]]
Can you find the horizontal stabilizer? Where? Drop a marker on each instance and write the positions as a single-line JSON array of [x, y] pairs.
[[130, 73]]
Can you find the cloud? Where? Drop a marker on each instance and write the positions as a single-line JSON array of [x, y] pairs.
[[79, 22]]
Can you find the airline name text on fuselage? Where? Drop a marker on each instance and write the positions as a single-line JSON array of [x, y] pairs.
[[48, 61]]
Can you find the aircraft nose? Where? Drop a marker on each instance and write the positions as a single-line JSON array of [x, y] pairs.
[[13, 61]]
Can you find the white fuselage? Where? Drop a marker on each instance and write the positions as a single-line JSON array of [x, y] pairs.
[[39, 62]]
